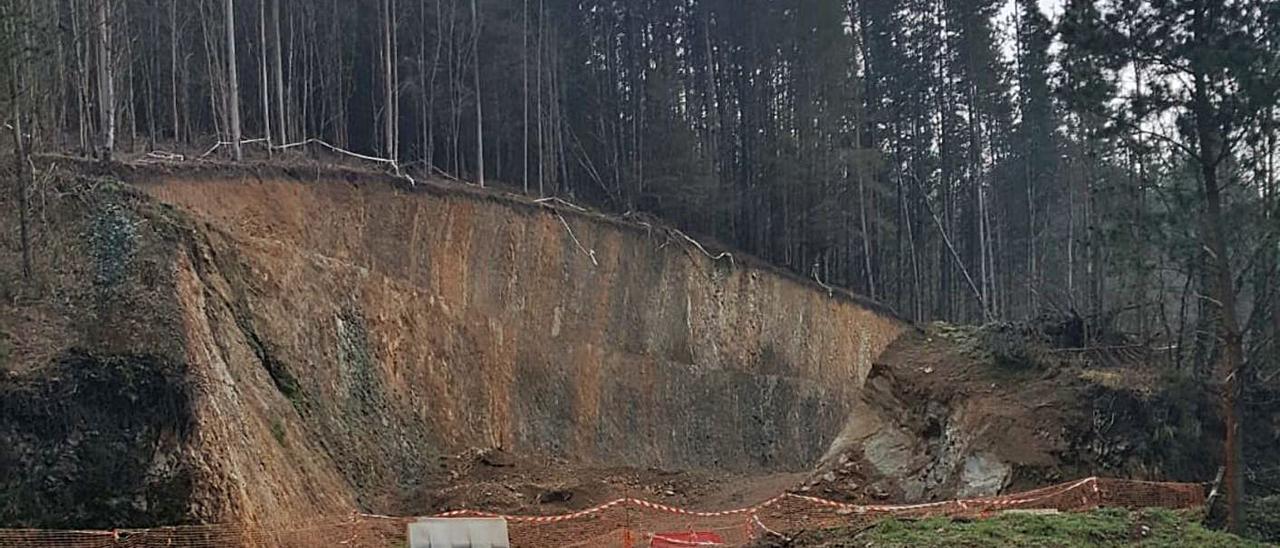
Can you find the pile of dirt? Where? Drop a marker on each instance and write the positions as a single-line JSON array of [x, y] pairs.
[[946, 416]]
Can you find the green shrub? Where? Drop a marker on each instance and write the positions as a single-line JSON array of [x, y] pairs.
[[1262, 518]]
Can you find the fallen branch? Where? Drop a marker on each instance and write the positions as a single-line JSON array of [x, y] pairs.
[[164, 156], [589, 253], [986, 314], [223, 143], [830, 290], [1213, 493], [394, 165], [448, 175], [554, 199], [722, 255]]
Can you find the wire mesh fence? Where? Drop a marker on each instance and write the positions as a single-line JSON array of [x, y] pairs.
[[629, 522]]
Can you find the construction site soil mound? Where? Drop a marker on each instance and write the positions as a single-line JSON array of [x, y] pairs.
[[272, 344], [940, 417]]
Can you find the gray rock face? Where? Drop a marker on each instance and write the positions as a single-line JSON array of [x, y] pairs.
[[983, 475]]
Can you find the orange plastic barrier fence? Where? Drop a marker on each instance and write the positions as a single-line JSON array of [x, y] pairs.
[[629, 522]]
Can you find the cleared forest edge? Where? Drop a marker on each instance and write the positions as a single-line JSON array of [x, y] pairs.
[[339, 336]]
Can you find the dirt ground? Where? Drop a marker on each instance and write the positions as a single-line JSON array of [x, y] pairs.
[[1039, 421], [497, 481]]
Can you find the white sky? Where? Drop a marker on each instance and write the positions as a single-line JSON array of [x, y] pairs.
[[1052, 8], [1005, 21]]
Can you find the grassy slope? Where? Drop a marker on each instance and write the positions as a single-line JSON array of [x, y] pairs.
[[1104, 528]]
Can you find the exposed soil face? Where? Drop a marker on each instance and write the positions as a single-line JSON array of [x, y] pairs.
[[942, 419], [223, 345], [336, 340]]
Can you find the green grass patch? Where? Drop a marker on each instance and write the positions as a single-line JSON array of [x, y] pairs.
[[1262, 518], [1101, 528]]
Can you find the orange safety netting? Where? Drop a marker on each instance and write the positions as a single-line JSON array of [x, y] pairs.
[[629, 522]]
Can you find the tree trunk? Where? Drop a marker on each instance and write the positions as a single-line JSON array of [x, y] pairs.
[[1211, 151], [431, 90], [1231, 352], [524, 71], [280, 91], [23, 168], [389, 84], [152, 75], [475, 52], [262, 64], [130, 102], [173, 69], [80, 43], [106, 84], [866, 238], [538, 97], [233, 79]]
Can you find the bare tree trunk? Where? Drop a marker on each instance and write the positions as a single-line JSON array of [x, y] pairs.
[[431, 89], [306, 45], [106, 84], [455, 114], [173, 68], [217, 80], [538, 70], [280, 91], [262, 65], [60, 99], [80, 43], [559, 118], [23, 167], [423, 114], [130, 103], [395, 79], [866, 239], [524, 70], [1071, 244], [389, 84], [152, 75], [475, 47], [22, 73], [233, 79]]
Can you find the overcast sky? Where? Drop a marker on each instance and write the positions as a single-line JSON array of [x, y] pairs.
[[1005, 22], [1052, 7]]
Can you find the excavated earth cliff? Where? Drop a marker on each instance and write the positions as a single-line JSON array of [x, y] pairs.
[[216, 344]]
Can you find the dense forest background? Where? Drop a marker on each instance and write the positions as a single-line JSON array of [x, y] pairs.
[[961, 160]]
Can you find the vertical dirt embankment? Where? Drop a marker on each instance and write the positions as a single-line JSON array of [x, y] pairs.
[[403, 324], [328, 338]]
